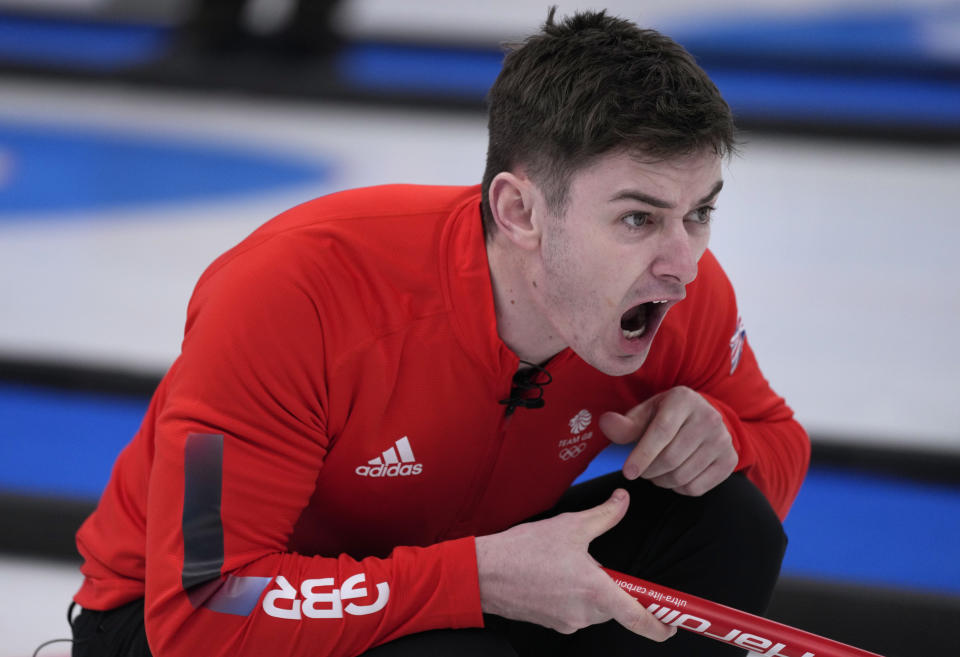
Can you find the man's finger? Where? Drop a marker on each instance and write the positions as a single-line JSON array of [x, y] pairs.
[[659, 433], [714, 474], [604, 517], [680, 456], [632, 615]]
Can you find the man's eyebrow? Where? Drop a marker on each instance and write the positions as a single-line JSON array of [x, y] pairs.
[[717, 186], [636, 195]]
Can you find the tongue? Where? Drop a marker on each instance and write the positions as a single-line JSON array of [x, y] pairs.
[[634, 318]]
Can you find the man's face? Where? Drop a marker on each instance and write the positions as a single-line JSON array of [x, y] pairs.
[[621, 255]]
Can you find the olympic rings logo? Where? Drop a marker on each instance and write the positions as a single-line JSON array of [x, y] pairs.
[[573, 451]]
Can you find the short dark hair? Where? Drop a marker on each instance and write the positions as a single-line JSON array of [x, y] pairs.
[[591, 84]]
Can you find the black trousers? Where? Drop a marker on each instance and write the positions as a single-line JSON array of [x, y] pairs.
[[725, 546]]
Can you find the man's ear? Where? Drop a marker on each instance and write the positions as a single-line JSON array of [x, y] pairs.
[[512, 201]]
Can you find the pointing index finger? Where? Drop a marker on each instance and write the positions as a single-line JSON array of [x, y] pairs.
[[661, 429]]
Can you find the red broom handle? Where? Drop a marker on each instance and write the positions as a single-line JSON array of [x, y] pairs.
[[765, 637]]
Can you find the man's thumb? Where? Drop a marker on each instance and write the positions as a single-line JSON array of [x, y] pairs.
[[618, 428], [605, 517]]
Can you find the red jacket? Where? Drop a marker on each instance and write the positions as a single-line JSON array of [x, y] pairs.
[[336, 397]]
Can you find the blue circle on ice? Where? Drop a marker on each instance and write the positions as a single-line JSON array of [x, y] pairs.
[[47, 168]]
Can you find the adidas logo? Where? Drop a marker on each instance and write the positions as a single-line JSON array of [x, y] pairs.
[[398, 461]]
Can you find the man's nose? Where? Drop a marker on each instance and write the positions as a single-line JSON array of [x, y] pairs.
[[677, 255]]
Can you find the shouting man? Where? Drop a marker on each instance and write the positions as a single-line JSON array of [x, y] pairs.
[[368, 442]]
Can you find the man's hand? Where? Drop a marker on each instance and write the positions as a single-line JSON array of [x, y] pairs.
[[682, 442], [540, 572]]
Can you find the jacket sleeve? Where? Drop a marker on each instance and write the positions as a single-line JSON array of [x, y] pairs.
[[774, 449], [239, 441]]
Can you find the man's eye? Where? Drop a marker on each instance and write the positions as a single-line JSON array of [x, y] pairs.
[[636, 219], [703, 215]]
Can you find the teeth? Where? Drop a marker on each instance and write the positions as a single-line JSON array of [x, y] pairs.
[[630, 335], [662, 301]]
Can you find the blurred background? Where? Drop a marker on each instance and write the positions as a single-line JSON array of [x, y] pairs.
[[139, 139]]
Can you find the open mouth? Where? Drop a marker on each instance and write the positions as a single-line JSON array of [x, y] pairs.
[[635, 322]]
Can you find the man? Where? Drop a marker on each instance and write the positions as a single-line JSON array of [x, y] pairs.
[[384, 395]]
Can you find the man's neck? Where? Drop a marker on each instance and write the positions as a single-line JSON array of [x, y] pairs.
[[520, 323]]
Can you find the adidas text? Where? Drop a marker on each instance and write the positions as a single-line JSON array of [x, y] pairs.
[[397, 470], [395, 461]]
